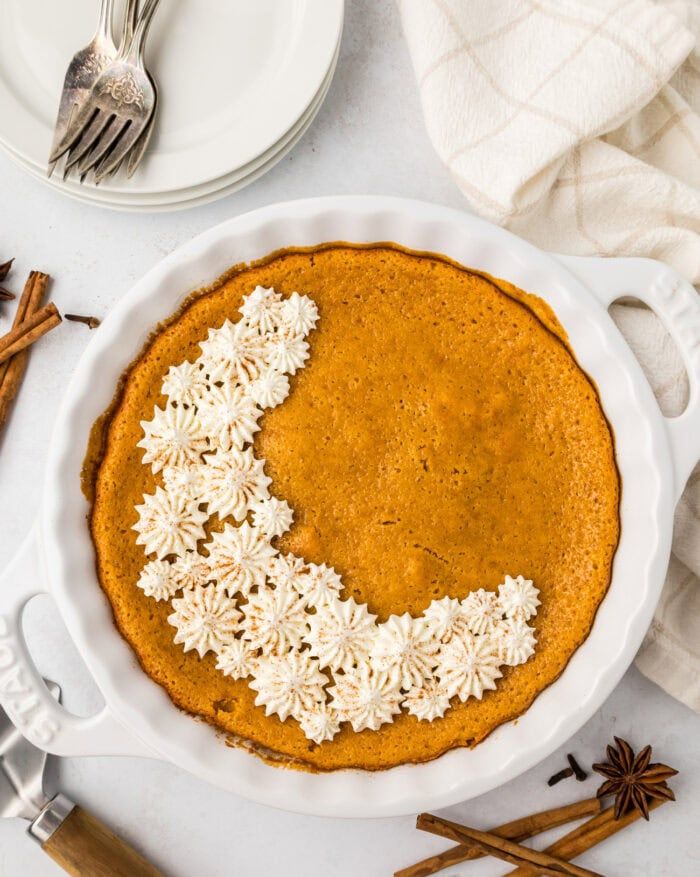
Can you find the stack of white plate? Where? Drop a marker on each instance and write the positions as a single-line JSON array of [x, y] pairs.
[[240, 81]]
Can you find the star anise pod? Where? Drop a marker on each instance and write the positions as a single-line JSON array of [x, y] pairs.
[[633, 780], [5, 268]]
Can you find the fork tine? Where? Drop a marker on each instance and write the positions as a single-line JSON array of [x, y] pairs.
[[90, 137], [140, 148], [58, 135], [66, 164], [78, 123], [102, 147], [130, 136], [112, 173]]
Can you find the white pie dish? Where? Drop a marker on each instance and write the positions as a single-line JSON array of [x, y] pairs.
[[655, 456]]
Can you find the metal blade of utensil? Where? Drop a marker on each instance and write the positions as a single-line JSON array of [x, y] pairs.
[[10, 802], [84, 845], [21, 770]]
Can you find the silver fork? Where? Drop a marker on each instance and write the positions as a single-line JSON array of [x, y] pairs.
[[82, 73], [134, 158], [139, 148], [118, 109], [131, 11], [141, 144]]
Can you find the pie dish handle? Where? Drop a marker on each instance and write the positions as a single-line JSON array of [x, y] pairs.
[[675, 301], [23, 694]]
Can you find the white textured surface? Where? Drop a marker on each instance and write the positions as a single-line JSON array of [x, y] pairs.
[[368, 137]]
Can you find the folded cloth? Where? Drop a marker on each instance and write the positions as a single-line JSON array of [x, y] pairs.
[[576, 124]]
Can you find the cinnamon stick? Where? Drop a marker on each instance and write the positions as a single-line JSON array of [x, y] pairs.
[[517, 830], [29, 331], [508, 850], [29, 301], [585, 836], [12, 371]]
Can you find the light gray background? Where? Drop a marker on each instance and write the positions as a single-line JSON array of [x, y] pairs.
[[368, 138]]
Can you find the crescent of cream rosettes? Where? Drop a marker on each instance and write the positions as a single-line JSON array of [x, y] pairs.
[[276, 620]]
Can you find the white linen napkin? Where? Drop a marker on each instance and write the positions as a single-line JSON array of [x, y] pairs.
[[576, 124]]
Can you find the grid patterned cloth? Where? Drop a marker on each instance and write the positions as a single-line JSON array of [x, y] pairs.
[[576, 124]]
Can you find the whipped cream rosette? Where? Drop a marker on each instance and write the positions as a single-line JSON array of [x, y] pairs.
[[427, 702], [238, 558], [310, 654], [237, 659], [174, 437], [320, 723], [169, 523], [262, 310], [275, 620], [272, 516], [289, 684], [184, 383], [205, 619], [231, 481], [341, 635], [157, 580]]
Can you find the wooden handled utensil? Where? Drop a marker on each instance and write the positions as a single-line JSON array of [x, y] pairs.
[[74, 839]]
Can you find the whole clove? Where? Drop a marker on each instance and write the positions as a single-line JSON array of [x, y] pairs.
[[580, 773], [561, 775], [90, 322]]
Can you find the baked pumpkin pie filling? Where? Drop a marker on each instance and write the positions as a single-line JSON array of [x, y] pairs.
[[435, 440]]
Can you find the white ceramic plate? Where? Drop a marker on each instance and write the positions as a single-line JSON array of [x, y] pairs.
[[233, 79], [195, 195], [655, 456]]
